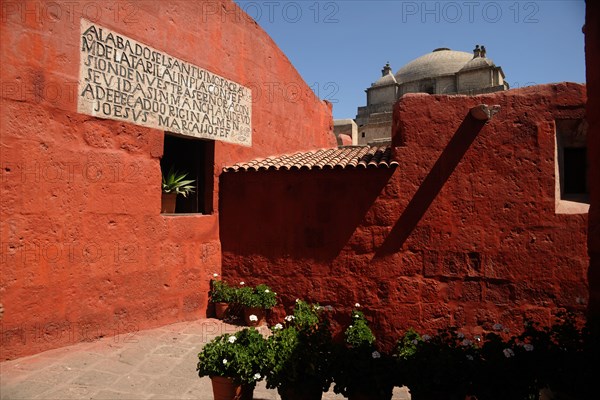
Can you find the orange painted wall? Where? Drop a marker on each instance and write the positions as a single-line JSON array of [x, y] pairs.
[[85, 251], [463, 232]]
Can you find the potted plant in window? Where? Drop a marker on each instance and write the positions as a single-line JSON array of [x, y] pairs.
[[235, 363], [174, 183], [221, 295], [360, 371], [299, 354], [255, 302]]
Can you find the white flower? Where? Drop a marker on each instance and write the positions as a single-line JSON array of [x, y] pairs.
[[466, 343], [426, 337], [350, 326], [224, 361], [215, 274], [469, 357], [376, 354], [267, 290], [253, 318], [257, 376], [289, 318], [297, 300], [356, 316], [460, 335], [232, 339], [528, 347], [478, 338], [357, 305], [415, 341], [242, 283], [508, 353], [278, 326]]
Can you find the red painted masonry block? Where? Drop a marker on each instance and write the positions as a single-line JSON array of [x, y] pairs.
[[85, 251], [464, 231]]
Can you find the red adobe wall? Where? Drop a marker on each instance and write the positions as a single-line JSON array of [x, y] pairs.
[[85, 251], [592, 56], [463, 232]]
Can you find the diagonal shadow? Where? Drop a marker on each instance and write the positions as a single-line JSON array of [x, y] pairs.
[[432, 184]]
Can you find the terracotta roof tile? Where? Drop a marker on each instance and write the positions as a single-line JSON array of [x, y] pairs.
[[350, 157]]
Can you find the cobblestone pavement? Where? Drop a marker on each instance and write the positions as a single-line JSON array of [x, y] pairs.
[[153, 364]]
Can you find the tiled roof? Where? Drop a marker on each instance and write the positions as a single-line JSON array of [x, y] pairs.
[[352, 157]]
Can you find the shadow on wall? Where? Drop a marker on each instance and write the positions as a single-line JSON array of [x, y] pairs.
[[297, 214], [432, 184], [313, 214]]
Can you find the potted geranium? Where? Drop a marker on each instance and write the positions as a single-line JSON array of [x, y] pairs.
[[221, 295], [552, 360], [234, 362], [255, 302], [174, 183], [506, 370], [300, 354], [360, 371], [569, 353], [438, 367]]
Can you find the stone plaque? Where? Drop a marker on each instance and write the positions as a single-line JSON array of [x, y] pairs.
[[123, 79]]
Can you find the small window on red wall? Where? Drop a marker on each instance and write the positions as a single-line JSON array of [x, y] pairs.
[[196, 158], [571, 166]]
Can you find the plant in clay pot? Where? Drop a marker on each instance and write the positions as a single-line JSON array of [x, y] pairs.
[[235, 363], [360, 371], [437, 367], [173, 184], [255, 302], [300, 354], [221, 295]]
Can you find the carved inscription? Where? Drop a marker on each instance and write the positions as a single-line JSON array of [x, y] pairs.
[[125, 80]]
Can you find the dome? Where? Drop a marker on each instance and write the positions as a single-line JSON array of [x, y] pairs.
[[478, 62], [441, 61], [387, 79]]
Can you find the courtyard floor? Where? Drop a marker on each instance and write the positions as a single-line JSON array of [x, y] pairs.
[[153, 364]]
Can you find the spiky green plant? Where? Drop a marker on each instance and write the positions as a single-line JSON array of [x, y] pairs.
[[175, 182]]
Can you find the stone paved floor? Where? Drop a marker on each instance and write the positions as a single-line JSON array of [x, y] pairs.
[[153, 364]]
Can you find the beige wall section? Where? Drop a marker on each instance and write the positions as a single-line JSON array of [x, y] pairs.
[[474, 79], [445, 85], [382, 94]]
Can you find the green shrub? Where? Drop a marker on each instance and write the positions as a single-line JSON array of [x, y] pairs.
[[358, 367], [261, 297], [221, 292], [241, 356], [301, 352]]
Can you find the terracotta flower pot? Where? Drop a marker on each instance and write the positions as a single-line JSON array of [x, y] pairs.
[[256, 311], [168, 202], [225, 388], [221, 310]]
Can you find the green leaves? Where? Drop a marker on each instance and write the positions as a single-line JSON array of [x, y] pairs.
[[175, 182], [301, 353], [358, 366], [358, 334], [241, 356], [261, 296], [221, 292]]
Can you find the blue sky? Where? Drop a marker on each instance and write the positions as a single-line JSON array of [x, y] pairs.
[[339, 47]]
